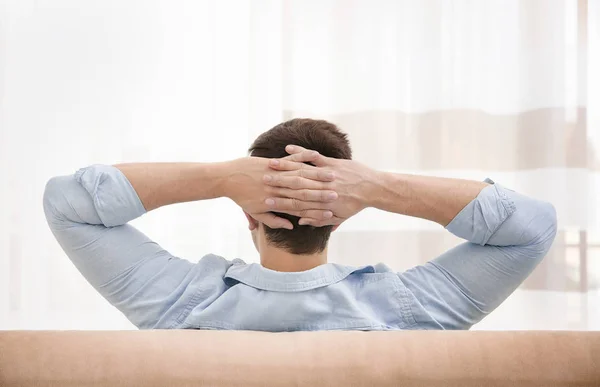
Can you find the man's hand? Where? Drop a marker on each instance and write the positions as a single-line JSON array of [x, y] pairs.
[[427, 197], [310, 195], [290, 178]]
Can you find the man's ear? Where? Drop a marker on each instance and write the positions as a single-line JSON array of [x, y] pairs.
[[252, 223]]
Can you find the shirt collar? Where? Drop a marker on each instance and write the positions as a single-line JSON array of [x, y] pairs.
[[259, 277]]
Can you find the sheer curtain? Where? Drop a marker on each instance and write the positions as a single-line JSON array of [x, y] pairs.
[[502, 89]]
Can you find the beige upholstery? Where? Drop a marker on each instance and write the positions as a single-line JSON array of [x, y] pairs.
[[230, 358]]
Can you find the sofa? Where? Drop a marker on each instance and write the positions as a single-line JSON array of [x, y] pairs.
[[329, 358]]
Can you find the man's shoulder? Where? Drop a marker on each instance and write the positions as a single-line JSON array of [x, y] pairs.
[[382, 268], [216, 261]]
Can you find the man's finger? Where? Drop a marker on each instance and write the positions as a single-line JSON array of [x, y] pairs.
[[303, 155], [306, 156], [312, 214], [310, 173], [298, 158], [293, 149], [287, 165], [334, 221], [295, 182], [286, 204], [307, 195], [313, 173], [273, 221]]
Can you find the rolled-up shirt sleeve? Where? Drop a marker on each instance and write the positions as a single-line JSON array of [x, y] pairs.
[[502, 217], [114, 199], [87, 212], [508, 235]]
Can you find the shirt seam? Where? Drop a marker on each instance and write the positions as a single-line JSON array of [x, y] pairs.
[[440, 269], [186, 310], [298, 285], [406, 308]]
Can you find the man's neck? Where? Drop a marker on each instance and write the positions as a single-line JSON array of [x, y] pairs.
[[280, 260]]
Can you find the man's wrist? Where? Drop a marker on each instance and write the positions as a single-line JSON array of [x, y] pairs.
[[224, 174], [372, 189], [384, 189]]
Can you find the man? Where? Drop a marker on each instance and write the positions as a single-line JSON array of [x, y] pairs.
[[293, 203]]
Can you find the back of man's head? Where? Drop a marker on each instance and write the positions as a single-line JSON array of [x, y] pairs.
[[318, 135]]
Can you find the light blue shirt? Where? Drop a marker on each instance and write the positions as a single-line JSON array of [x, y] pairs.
[[508, 234]]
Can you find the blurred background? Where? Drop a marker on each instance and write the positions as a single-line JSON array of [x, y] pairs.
[[505, 89]]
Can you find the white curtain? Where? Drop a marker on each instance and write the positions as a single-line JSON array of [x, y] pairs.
[[502, 89]]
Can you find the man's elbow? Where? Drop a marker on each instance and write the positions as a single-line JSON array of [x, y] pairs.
[[549, 214], [542, 230], [54, 198]]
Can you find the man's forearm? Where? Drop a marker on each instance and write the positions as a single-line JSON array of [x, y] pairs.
[[432, 198], [161, 184]]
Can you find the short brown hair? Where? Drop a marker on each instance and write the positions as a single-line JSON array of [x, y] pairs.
[[321, 136]]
